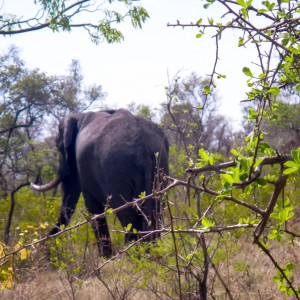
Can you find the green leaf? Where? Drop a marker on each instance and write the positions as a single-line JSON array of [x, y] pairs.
[[263, 146], [296, 155], [247, 72], [248, 3], [289, 171], [206, 157], [209, 2], [227, 178], [245, 12], [206, 90], [234, 152], [241, 41], [274, 90], [261, 11], [203, 154], [253, 114], [109, 211], [207, 223], [284, 42], [223, 194], [268, 5], [289, 266], [273, 235], [128, 227], [236, 173], [142, 195], [291, 164], [199, 22], [241, 3]]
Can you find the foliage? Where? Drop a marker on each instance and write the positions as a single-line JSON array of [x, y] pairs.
[[190, 117], [62, 15], [141, 110]]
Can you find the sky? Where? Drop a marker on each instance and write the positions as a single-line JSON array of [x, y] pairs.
[[138, 69]]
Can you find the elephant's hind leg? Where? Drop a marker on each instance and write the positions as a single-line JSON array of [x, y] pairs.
[[102, 236], [100, 227]]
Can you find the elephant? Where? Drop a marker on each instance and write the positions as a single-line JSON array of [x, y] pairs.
[[111, 157]]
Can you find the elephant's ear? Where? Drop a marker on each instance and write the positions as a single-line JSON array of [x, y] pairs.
[[65, 138], [69, 131]]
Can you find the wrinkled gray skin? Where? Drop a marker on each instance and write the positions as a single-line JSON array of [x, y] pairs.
[[109, 156]]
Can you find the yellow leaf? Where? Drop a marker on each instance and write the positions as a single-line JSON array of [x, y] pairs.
[[2, 253], [8, 284], [43, 225], [23, 254], [17, 246]]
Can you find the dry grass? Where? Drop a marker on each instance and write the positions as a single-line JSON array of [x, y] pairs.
[[55, 285], [248, 275]]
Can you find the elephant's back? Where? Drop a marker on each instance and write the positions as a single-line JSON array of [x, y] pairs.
[[114, 138], [117, 149], [107, 137], [107, 152]]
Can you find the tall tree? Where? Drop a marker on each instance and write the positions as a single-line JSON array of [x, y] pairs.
[[191, 117], [142, 110], [30, 101], [283, 128]]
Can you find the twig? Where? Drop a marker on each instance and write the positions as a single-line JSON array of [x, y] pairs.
[[267, 252], [176, 250]]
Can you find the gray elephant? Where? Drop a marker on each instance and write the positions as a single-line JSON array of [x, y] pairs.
[[111, 157]]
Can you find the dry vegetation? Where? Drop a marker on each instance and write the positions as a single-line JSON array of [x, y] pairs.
[[64, 268], [247, 273]]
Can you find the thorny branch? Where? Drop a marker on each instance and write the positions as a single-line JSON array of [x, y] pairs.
[[280, 184], [275, 263], [278, 159], [243, 24]]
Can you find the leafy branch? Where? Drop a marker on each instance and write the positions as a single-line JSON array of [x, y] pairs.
[[57, 16]]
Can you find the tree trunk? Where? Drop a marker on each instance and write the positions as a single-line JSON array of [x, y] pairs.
[[11, 211]]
